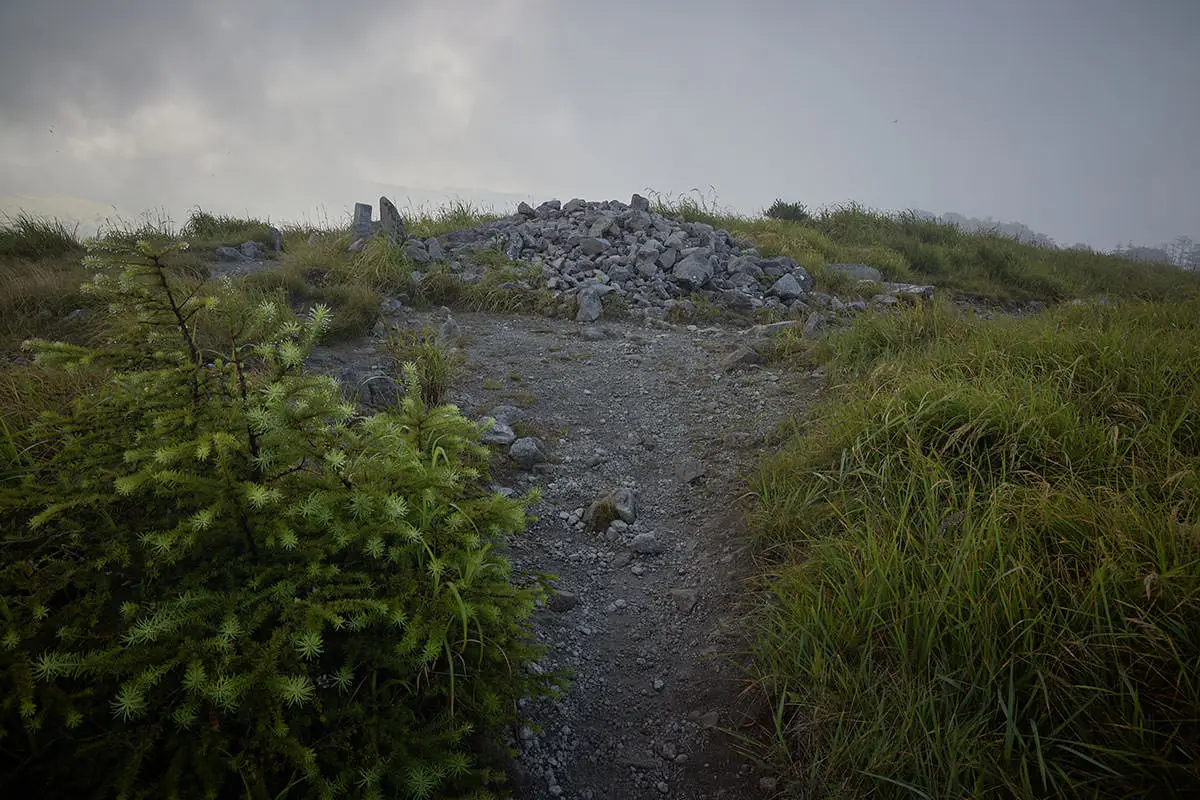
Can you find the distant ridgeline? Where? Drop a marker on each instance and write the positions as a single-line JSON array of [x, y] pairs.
[[1182, 252]]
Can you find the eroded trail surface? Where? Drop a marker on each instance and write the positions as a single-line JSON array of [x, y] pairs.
[[647, 613]]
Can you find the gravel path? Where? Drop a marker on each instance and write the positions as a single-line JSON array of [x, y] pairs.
[[648, 611], [647, 617]]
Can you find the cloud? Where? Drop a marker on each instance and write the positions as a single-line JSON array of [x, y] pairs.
[[1074, 119]]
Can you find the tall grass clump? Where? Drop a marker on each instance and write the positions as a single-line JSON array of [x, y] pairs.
[[432, 362], [40, 273], [206, 229], [985, 574], [455, 215], [29, 236]]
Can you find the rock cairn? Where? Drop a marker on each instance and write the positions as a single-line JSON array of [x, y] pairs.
[[587, 250]]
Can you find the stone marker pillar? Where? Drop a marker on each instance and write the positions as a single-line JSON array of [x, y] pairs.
[[391, 221], [362, 219]]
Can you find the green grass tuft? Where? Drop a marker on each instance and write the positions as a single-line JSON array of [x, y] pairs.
[[33, 237], [435, 363], [207, 230], [985, 549], [453, 216]]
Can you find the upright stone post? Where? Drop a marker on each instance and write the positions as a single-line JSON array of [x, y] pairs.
[[391, 221], [362, 219]]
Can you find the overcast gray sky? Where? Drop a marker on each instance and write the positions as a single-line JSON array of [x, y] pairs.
[[1076, 117]]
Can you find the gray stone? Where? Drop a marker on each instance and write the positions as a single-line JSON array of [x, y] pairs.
[[229, 254], [647, 269], [787, 288], [415, 250], [639, 203], [527, 451], [626, 504], [593, 334], [378, 391], [646, 544], [391, 222], [685, 598], [593, 246], [747, 265], [361, 226], [605, 224], [695, 270], [737, 301], [525, 210], [815, 325], [498, 434], [561, 601], [506, 414], [741, 357], [573, 205], [710, 719], [859, 272], [677, 238], [251, 250], [357, 245], [515, 245], [590, 305], [649, 250], [276, 239], [448, 331], [434, 248]]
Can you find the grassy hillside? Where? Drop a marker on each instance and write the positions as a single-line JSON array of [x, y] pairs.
[[985, 559], [40, 273], [910, 249]]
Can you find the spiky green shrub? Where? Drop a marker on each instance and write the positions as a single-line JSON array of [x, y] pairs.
[[792, 212], [219, 581]]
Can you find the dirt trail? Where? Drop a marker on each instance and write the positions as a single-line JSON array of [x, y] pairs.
[[647, 614]]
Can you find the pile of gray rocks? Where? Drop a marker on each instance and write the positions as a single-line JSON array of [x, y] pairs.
[[591, 249]]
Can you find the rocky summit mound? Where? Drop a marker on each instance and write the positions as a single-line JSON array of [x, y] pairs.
[[590, 249]]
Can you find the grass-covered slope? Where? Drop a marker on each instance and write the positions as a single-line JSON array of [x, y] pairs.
[[985, 547], [906, 247], [41, 270]]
